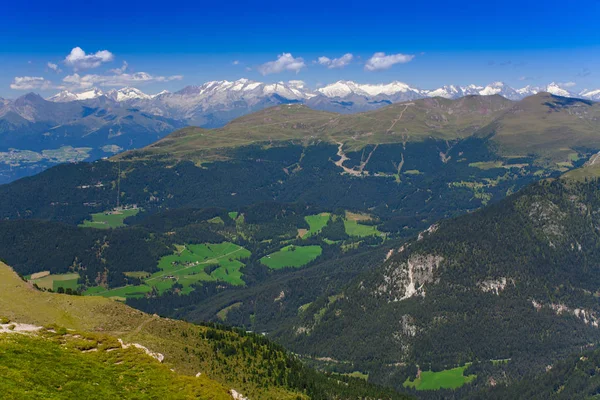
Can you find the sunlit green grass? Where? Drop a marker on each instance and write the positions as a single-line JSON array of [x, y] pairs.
[[316, 223], [292, 256], [187, 267], [446, 379], [109, 219], [353, 228]]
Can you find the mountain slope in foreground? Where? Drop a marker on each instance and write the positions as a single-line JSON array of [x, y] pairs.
[[95, 347]]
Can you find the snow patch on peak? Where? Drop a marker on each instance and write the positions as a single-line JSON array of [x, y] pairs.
[[66, 96], [128, 93], [555, 89], [346, 88]]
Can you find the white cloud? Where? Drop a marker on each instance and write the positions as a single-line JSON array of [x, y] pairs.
[[79, 60], [76, 81], [30, 83], [380, 61], [284, 62], [235, 62], [54, 67], [121, 70], [336, 62]]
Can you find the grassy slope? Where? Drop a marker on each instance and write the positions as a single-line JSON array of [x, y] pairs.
[[53, 366], [547, 125], [21, 303], [397, 123]]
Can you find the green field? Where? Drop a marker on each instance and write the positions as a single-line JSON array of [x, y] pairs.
[[353, 228], [233, 215], [316, 223], [109, 219], [446, 379], [54, 281], [292, 256], [187, 266]]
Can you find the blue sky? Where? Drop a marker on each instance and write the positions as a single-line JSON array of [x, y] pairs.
[[426, 44]]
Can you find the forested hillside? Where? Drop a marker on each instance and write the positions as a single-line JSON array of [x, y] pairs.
[[516, 280]]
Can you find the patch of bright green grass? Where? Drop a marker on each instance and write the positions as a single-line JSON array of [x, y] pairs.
[[446, 379], [316, 223], [292, 256], [188, 266], [233, 215], [353, 228], [54, 281], [413, 172], [109, 219]]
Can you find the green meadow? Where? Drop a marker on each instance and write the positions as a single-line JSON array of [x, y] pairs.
[[353, 228], [54, 281], [446, 379], [316, 223], [292, 256], [109, 219], [188, 265]]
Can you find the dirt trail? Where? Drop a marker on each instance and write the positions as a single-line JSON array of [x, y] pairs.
[[399, 117]]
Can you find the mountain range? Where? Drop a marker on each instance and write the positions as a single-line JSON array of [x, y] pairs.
[[36, 133], [419, 238], [196, 103]]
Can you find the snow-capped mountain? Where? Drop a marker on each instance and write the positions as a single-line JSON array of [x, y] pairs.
[[348, 88], [454, 92], [590, 94], [528, 91], [501, 89], [215, 103], [556, 90], [66, 96], [128, 93]]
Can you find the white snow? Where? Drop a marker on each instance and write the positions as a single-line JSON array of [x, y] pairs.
[[345, 88]]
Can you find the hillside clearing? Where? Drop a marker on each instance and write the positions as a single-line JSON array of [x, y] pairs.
[[292, 256]]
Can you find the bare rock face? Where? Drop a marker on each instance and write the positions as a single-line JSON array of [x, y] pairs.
[[407, 279]]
